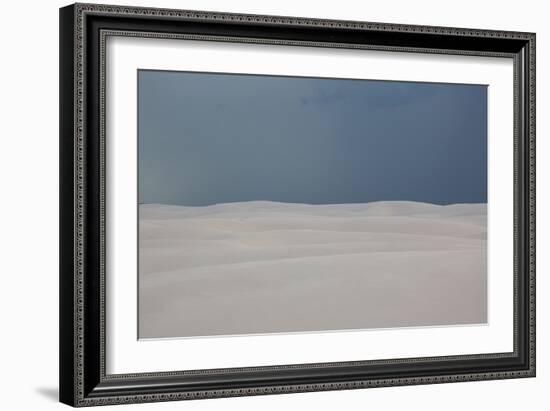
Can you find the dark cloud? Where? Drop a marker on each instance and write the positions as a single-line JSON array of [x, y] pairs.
[[214, 138]]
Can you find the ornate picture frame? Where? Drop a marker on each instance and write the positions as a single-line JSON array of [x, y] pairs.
[[84, 30]]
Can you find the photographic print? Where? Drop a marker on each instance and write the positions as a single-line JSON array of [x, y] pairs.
[[274, 204], [260, 204]]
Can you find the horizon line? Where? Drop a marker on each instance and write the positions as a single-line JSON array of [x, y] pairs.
[[312, 204]]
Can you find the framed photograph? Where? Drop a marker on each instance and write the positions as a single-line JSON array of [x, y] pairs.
[[262, 204]]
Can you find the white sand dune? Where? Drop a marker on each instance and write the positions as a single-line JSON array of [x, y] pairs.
[[264, 267]]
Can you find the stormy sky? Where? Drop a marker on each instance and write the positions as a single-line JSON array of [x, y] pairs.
[[217, 138]]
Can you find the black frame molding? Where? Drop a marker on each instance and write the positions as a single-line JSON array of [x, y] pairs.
[[83, 31]]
